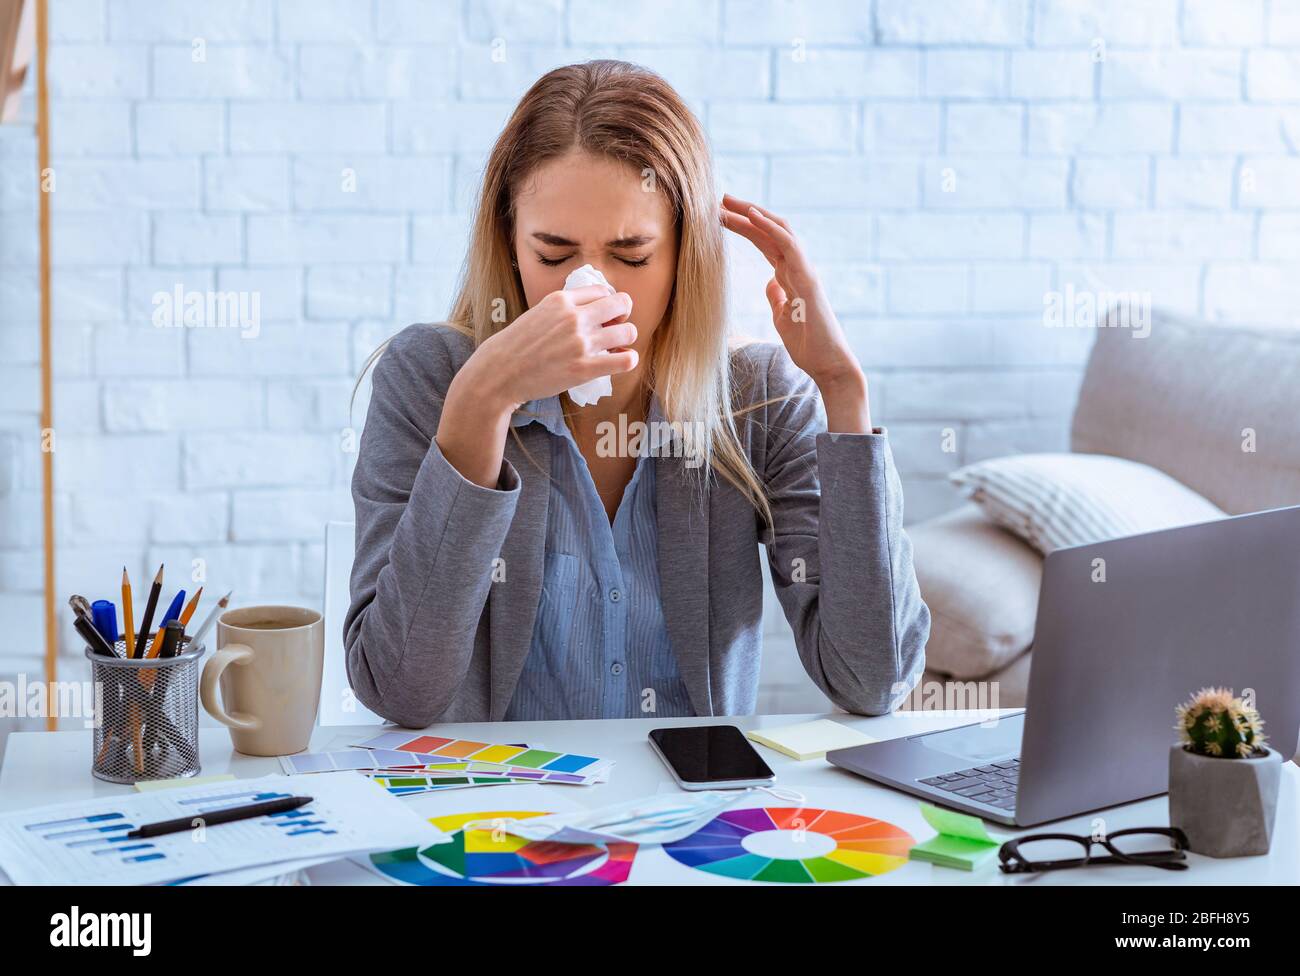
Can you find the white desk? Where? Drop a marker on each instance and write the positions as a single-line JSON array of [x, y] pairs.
[[48, 767]]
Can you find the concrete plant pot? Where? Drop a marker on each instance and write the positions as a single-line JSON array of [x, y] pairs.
[[1226, 807]]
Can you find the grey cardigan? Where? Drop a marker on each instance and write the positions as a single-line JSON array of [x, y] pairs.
[[447, 574]]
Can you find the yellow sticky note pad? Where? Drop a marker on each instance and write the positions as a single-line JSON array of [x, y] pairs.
[[809, 740]]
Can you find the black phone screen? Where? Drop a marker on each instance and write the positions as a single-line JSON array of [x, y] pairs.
[[710, 753]]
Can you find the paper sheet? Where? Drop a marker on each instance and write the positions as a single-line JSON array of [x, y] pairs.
[[793, 843], [153, 785], [330, 762], [450, 810], [84, 841]]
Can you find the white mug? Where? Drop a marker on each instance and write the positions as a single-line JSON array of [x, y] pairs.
[[268, 663]]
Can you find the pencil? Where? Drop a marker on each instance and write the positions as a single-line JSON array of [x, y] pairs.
[[156, 646], [109, 736], [137, 736], [167, 644], [190, 608], [147, 676], [128, 620], [150, 606], [210, 619]]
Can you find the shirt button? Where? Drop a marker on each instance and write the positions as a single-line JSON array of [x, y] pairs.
[[616, 668], [615, 596]]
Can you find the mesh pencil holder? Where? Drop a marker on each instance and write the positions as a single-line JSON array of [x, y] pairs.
[[148, 721]]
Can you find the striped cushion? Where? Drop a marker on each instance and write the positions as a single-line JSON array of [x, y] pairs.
[[1057, 500]]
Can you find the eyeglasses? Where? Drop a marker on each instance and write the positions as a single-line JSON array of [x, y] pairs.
[[1159, 847]]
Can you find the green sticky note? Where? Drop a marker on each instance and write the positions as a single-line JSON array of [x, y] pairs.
[[955, 824], [962, 841]]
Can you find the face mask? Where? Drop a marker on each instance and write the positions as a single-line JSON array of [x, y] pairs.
[[659, 819]]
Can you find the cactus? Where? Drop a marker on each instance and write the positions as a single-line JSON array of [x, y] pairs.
[[1214, 723]]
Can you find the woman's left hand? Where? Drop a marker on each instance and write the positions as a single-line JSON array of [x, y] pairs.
[[802, 315]]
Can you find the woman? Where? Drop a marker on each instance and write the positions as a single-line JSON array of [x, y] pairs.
[[509, 564]]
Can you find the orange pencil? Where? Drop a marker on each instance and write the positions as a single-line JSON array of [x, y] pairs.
[[128, 621], [156, 645], [147, 677], [137, 736], [190, 608]]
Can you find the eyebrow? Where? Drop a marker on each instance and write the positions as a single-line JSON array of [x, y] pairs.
[[637, 240]]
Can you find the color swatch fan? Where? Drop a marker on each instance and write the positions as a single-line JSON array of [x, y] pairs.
[[793, 845], [492, 857], [409, 764]]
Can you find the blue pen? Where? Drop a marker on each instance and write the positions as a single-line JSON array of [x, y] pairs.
[[174, 611], [103, 615]]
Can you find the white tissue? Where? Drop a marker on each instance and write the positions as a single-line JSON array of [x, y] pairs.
[[588, 393]]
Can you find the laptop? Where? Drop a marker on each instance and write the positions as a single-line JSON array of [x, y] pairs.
[[1127, 630]]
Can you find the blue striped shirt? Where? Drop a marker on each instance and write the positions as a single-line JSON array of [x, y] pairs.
[[600, 646]]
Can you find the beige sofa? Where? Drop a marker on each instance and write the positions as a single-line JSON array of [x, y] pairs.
[[1184, 399]]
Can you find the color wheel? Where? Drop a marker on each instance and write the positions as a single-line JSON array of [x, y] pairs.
[[793, 845], [488, 857]]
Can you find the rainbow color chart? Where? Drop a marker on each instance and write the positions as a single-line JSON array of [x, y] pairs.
[[412, 785], [793, 845], [407, 764], [445, 748], [493, 857]]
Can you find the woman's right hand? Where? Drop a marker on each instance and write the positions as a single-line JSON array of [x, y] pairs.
[[567, 338], [558, 343]]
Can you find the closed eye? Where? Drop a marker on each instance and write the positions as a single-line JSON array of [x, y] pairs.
[[630, 262]]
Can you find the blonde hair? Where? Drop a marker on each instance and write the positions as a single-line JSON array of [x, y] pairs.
[[628, 113]]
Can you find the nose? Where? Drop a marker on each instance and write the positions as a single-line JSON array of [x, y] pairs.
[[587, 274]]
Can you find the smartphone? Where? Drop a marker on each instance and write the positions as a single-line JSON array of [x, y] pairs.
[[710, 757]]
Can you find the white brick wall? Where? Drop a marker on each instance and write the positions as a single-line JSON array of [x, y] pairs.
[[945, 161]]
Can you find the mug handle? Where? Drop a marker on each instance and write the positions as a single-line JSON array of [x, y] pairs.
[[228, 655]]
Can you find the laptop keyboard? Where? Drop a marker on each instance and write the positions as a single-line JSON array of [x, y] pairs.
[[994, 784]]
